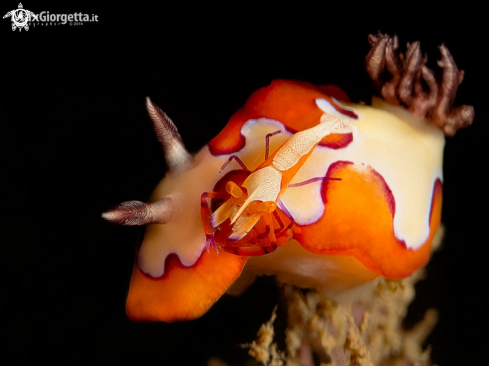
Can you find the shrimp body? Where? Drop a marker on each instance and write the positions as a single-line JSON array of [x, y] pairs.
[[258, 196]]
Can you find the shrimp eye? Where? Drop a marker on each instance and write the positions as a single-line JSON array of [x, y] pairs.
[[233, 189], [268, 206]]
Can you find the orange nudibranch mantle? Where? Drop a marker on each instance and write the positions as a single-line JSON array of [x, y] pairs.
[[291, 103], [383, 212]]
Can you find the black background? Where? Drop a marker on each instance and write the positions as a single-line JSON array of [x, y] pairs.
[[76, 140]]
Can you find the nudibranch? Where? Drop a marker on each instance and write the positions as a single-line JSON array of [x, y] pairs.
[[301, 184]]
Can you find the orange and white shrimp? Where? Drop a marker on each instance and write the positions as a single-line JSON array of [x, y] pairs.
[[257, 197]]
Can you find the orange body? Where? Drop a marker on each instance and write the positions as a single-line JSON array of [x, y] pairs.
[[354, 216]]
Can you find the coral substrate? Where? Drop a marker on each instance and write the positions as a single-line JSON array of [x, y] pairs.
[[367, 331]]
